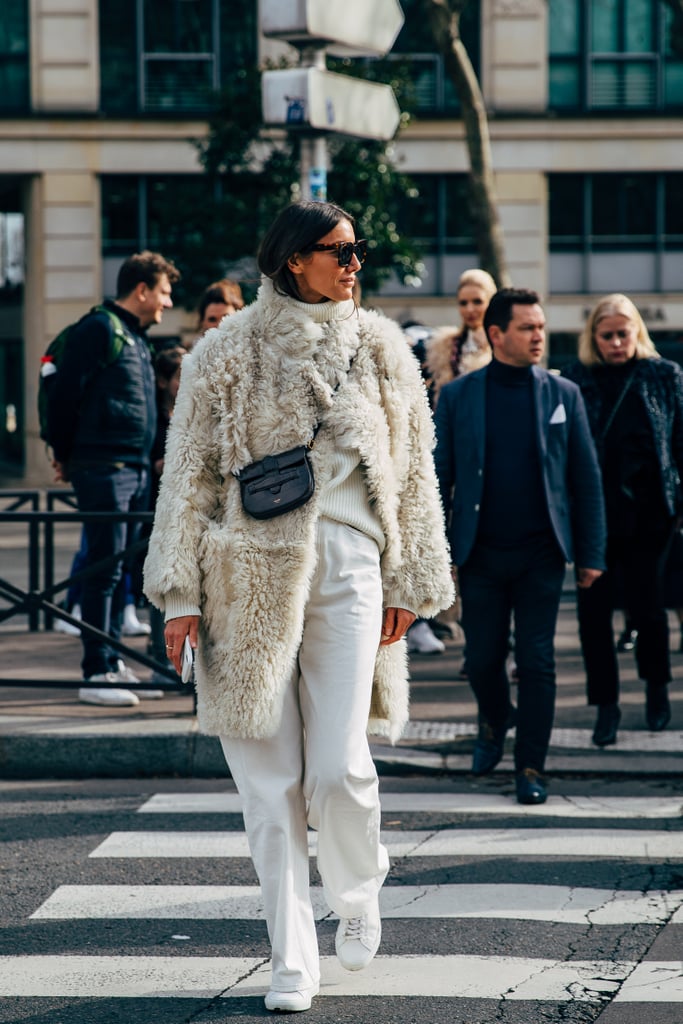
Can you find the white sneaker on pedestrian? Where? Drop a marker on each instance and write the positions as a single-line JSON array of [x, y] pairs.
[[106, 696], [123, 674], [421, 640], [358, 939], [65, 627], [131, 625], [290, 1002]]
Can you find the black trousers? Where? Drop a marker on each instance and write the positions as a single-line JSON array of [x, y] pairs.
[[639, 563], [494, 584]]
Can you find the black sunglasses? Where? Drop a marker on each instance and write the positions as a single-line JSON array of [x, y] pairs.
[[345, 251]]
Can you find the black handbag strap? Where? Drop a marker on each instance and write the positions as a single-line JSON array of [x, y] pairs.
[[617, 404]]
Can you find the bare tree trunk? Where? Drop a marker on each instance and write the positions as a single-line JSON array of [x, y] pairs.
[[444, 20], [676, 37]]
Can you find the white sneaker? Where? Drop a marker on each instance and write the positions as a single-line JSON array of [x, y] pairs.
[[131, 624], [107, 696], [61, 626], [421, 640], [358, 939], [290, 1002], [123, 674]]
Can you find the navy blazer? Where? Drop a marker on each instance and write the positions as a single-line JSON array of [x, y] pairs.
[[571, 475]]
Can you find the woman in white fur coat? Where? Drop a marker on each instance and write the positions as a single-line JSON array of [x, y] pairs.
[[298, 621]]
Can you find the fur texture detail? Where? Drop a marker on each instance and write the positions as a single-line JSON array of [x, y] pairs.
[[441, 348], [256, 386]]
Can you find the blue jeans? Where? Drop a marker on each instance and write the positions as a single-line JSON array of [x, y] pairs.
[[107, 489], [494, 584]]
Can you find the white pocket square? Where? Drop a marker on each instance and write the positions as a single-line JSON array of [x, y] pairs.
[[560, 415]]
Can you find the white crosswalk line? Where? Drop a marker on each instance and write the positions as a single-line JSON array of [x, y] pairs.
[[469, 977], [446, 803], [531, 842], [653, 981], [558, 903]]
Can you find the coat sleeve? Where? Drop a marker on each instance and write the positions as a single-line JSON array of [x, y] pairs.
[[423, 582], [187, 497], [444, 456], [585, 489]]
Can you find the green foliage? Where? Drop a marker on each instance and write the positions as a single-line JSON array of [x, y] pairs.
[[251, 174]]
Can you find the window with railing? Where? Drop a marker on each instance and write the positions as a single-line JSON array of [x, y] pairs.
[[613, 55], [14, 57], [172, 56], [427, 87], [616, 232], [439, 219]]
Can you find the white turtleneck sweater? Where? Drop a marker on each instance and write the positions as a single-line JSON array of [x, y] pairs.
[[344, 498]]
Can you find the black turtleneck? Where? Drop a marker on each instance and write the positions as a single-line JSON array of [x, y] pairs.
[[514, 509]]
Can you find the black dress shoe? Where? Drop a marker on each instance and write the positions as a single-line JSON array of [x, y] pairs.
[[657, 707], [606, 725], [530, 789], [488, 748]]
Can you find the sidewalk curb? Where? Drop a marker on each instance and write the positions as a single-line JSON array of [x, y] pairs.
[[193, 755]]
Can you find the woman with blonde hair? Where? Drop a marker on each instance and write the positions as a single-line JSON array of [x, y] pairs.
[[634, 401], [453, 351]]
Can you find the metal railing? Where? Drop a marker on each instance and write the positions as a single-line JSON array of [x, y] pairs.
[[24, 506]]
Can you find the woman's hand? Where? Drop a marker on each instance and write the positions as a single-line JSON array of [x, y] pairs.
[[175, 632], [395, 624]]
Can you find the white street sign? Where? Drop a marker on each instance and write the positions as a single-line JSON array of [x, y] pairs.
[[313, 98], [367, 25]]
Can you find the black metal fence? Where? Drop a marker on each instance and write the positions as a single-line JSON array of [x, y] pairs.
[[37, 510]]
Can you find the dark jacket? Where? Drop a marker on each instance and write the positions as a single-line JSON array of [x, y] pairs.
[[659, 383], [104, 414], [569, 466]]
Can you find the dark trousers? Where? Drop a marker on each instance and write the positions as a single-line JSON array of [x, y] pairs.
[[526, 582], [107, 489], [639, 563]]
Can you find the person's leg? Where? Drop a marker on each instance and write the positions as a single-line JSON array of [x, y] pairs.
[[268, 774], [536, 597], [644, 563], [337, 659], [101, 490], [594, 610], [486, 609]]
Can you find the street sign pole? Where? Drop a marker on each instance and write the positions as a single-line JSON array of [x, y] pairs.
[[314, 101]]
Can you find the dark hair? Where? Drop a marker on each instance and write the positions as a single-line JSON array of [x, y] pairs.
[[146, 267], [295, 230], [223, 291], [167, 361], [499, 310]]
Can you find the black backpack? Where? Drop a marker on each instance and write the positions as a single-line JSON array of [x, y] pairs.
[[51, 361]]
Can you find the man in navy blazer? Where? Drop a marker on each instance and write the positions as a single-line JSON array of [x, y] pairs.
[[522, 495]]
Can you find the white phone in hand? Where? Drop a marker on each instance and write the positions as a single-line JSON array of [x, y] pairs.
[[188, 662]]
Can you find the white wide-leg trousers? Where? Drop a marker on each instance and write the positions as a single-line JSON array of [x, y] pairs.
[[317, 770]]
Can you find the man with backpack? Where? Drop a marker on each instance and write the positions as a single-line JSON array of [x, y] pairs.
[[101, 423]]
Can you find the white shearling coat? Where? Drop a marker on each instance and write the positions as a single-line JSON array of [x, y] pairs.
[[255, 386]]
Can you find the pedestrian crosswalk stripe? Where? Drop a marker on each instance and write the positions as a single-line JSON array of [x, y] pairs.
[[531, 842], [653, 981], [557, 903], [468, 977], [447, 803]]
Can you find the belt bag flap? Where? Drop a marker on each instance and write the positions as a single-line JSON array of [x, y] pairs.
[[277, 484]]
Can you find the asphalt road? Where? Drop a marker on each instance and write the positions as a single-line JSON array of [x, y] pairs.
[[492, 913]]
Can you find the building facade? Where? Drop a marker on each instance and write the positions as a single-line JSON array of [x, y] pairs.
[[102, 104]]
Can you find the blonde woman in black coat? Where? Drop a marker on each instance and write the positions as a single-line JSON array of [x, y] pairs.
[[634, 401]]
